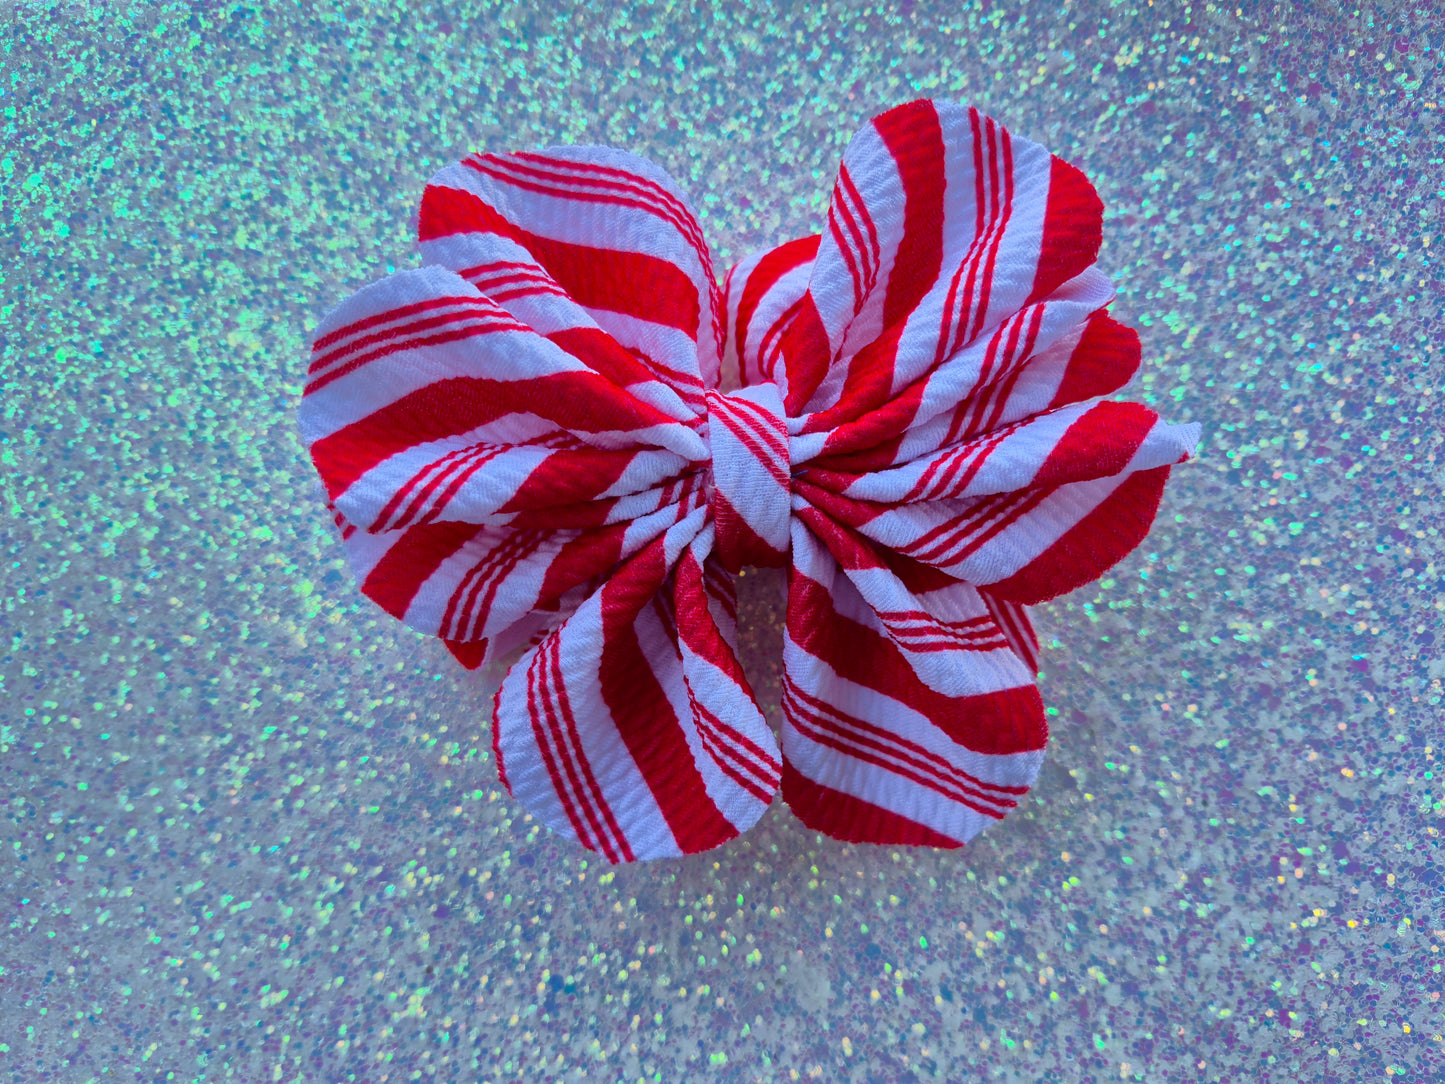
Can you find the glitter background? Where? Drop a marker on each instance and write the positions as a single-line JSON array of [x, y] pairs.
[[253, 831]]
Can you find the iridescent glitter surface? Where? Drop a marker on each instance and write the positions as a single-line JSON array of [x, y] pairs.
[[254, 831]]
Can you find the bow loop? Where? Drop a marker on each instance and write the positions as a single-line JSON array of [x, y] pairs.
[[751, 497]]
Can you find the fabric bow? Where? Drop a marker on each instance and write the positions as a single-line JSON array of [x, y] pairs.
[[525, 447]]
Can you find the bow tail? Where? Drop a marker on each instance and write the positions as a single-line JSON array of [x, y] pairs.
[[909, 718], [743, 767], [630, 727]]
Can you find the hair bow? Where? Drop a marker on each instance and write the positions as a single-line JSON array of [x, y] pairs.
[[525, 447]]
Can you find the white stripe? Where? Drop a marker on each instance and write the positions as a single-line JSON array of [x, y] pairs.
[[952, 672], [387, 333], [819, 679], [863, 743]]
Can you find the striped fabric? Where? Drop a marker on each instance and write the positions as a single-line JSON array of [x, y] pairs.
[[527, 453]]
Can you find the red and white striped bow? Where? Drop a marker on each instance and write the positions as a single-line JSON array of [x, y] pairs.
[[525, 447]]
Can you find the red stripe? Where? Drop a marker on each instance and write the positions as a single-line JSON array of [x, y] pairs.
[[952, 548], [728, 761], [985, 403], [955, 315], [771, 348], [1073, 229], [918, 578], [569, 478], [764, 277], [517, 269], [982, 224], [958, 467], [999, 395], [1104, 360], [665, 204], [813, 728], [570, 517], [438, 470], [850, 735], [1009, 721], [1100, 443], [936, 635], [1014, 620], [579, 560], [347, 529], [401, 313], [1092, 546], [478, 314], [643, 714], [463, 470], [967, 404], [846, 510], [948, 318], [608, 838], [807, 353], [471, 654], [984, 520], [1005, 170], [522, 546], [975, 402], [687, 386], [893, 415], [869, 250], [961, 625], [1018, 357], [516, 293], [632, 283], [763, 767], [720, 587], [1002, 794], [914, 138], [580, 401], [768, 426], [852, 819], [714, 754], [614, 835], [615, 191], [852, 551], [462, 465], [514, 547], [850, 254], [699, 632], [979, 513], [414, 558], [748, 431], [738, 545], [543, 731], [475, 326], [567, 180], [601, 353], [871, 442], [941, 478], [868, 383], [743, 751], [497, 743]]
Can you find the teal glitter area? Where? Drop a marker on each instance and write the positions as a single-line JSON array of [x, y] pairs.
[[255, 830]]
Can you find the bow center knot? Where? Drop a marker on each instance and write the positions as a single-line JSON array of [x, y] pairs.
[[751, 497]]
